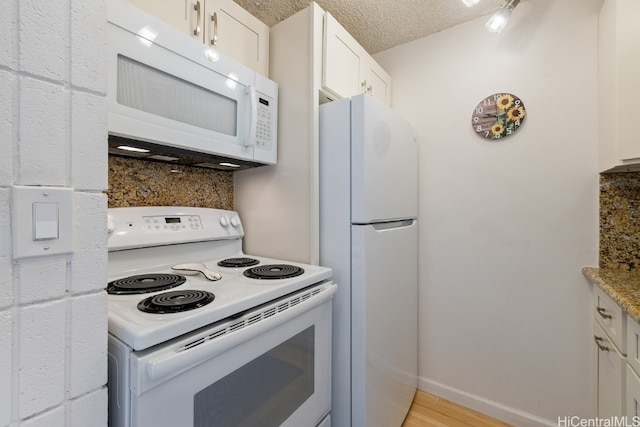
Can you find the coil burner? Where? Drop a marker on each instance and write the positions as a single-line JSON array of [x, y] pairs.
[[238, 262], [273, 271], [144, 284], [175, 301]]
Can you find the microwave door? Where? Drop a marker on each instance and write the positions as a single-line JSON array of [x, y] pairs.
[[174, 100]]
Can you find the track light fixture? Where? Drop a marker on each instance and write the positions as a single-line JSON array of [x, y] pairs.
[[499, 20]]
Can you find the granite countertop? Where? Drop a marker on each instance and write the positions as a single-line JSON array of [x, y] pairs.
[[622, 286]]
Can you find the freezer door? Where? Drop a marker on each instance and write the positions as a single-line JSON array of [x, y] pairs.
[[384, 292], [384, 163]]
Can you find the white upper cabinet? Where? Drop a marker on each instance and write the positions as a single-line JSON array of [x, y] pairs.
[[377, 82], [221, 24], [342, 58], [348, 69], [239, 34], [618, 86]]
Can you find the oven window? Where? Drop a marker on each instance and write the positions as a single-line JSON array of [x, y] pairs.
[[265, 391]]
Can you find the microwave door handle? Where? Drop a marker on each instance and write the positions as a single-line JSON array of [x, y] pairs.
[[253, 121]]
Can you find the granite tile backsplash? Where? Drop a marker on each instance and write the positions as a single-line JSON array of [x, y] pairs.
[[137, 182], [620, 221]]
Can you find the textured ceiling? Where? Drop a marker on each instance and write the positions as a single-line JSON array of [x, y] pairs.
[[379, 24]]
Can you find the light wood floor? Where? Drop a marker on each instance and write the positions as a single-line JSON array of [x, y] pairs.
[[428, 410]]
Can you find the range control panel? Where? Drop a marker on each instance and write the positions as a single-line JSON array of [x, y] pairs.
[[172, 223], [155, 226]]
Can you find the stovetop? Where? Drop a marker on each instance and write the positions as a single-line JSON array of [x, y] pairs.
[[235, 292]]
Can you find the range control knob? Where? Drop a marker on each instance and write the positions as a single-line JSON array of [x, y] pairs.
[[235, 221], [224, 221]]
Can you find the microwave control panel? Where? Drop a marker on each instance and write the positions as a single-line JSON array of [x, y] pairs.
[[264, 130]]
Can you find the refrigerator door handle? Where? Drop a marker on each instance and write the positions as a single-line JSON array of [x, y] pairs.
[[387, 225]]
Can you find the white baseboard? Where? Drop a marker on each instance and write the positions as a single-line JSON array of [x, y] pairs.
[[493, 409]]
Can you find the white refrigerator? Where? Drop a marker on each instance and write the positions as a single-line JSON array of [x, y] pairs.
[[369, 237]]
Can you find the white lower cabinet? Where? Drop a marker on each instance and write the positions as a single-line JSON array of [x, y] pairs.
[[611, 317], [633, 393], [633, 368], [616, 359], [610, 375], [633, 343]]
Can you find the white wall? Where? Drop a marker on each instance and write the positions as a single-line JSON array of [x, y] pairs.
[[53, 133], [279, 204], [505, 324]]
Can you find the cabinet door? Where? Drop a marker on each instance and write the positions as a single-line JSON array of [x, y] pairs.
[[348, 69], [237, 34], [619, 88], [221, 24], [377, 82], [610, 375], [611, 318], [633, 343], [342, 56], [628, 69], [633, 393], [180, 14]]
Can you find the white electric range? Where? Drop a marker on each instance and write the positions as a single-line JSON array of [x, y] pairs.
[[201, 334]]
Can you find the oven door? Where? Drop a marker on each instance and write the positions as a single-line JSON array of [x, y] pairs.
[[270, 366]]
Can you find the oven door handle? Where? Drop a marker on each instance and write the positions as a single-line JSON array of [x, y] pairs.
[[171, 364]]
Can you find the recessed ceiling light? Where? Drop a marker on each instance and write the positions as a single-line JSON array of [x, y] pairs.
[[134, 149], [163, 158]]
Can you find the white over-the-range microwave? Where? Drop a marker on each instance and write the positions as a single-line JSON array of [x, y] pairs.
[[171, 97]]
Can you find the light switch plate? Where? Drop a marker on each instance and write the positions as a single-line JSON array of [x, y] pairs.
[[29, 199]]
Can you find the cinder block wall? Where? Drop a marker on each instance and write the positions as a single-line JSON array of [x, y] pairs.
[[53, 324]]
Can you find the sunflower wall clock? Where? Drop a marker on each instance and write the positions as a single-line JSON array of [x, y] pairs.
[[498, 116]]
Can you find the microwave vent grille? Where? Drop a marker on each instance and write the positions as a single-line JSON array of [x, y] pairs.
[[156, 92]]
